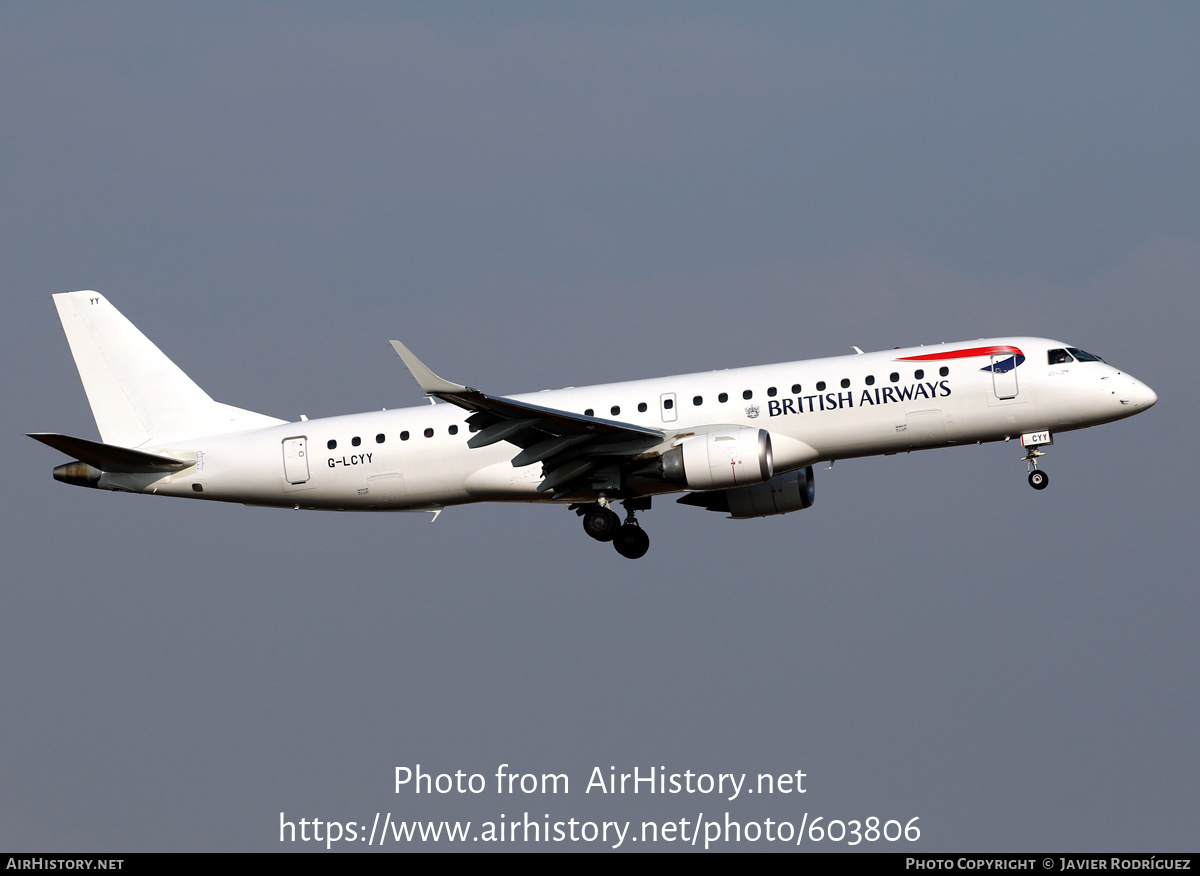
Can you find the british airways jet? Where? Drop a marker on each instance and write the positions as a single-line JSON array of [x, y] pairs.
[[741, 441]]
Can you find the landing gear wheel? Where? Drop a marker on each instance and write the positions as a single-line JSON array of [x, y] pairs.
[[631, 542], [1039, 480], [601, 524]]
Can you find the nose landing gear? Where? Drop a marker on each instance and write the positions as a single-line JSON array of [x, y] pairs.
[[1038, 479], [1033, 443]]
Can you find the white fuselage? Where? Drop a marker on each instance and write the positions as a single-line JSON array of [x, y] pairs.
[[819, 409]]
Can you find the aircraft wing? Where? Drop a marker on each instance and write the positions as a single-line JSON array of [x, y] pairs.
[[570, 446]]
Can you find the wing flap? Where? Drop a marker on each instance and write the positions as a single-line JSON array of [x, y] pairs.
[[499, 430]]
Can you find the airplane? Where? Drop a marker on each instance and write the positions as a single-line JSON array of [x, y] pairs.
[[742, 441]]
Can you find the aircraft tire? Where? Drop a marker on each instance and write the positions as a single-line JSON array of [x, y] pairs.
[[601, 524], [631, 541], [1038, 479]]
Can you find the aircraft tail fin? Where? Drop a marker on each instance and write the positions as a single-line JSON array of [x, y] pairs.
[[137, 394]]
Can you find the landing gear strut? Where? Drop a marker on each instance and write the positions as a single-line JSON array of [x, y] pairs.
[[631, 541]]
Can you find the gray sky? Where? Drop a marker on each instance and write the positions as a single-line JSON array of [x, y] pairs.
[[535, 195]]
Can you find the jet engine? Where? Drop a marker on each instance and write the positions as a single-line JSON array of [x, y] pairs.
[[720, 459], [793, 491]]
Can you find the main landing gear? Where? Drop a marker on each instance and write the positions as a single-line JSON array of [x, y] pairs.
[[604, 524], [1038, 479]]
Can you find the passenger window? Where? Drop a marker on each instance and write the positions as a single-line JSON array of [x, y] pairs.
[[453, 430], [870, 381], [698, 400], [795, 389], [944, 371], [331, 444], [918, 374], [845, 382], [404, 436], [616, 409], [747, 395], [723, 397], [668, 403], [380, 438], [428, 433], [894, 377], [641, 407], [771, 392], [356, 441], [589, 413], [820, 386]]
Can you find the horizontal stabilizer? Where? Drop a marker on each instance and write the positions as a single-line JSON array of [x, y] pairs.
[[107, 457]]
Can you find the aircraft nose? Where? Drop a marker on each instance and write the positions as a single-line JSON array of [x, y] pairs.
[[1138, 395]]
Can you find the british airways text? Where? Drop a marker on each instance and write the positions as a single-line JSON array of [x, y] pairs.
[[879, 395]]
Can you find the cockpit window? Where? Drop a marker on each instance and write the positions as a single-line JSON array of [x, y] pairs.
[[1082, 356], [1058, 357]]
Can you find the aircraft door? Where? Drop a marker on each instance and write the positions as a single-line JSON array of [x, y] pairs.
[[295, 460], [666, 404], [1004, 375], [926, 428], [388, 487]]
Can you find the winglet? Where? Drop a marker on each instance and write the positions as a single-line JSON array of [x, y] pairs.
[[426, 379]]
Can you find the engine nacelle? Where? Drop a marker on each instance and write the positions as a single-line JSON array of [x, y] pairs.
[[732, 458], [793, 491], [78, 473]]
